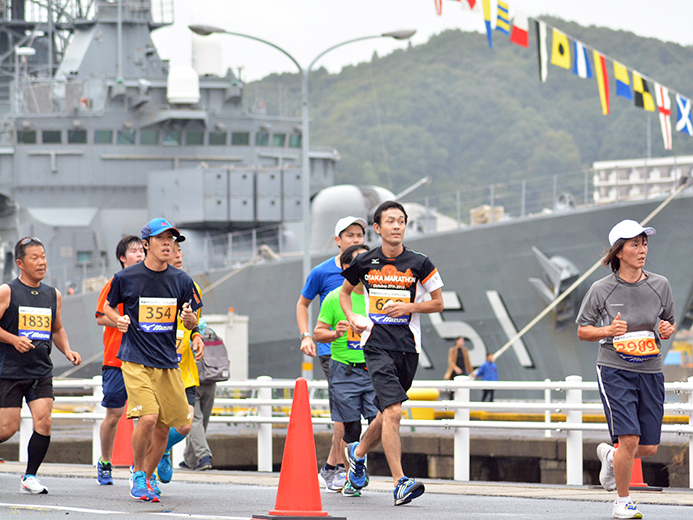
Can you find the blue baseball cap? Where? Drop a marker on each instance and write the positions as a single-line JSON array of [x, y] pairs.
[[157, 226]]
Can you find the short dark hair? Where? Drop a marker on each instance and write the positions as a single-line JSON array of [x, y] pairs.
[[124, 245], [388, 204], [20, 247], [350, 252], [610, 260]]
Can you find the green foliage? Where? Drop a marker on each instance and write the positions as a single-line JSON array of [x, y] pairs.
[[469, 116]]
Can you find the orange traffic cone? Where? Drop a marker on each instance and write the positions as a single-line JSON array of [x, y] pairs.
[[636, 478], [298, 495], [122, 446]]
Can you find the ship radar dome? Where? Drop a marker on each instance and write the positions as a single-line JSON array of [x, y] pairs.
[[182, 85]]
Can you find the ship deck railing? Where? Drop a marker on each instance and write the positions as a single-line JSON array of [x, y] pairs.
[[265, 402]]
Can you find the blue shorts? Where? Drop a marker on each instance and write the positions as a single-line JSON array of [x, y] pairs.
[[352, 393], [114, 393], [633, 403]]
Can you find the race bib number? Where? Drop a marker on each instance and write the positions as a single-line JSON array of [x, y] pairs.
[[636, 347], [157, 314], [353, 340], [180, 335], [35, 323], [378, 298]]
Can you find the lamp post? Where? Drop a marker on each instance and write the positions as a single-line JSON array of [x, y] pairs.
[[405, 34]]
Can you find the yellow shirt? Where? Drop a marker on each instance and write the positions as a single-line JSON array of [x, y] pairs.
[[186, 356]]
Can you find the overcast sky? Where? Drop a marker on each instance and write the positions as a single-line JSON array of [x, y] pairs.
[[305, 28]]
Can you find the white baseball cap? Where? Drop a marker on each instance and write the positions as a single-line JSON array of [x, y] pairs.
[[628, 229], [345, 222]]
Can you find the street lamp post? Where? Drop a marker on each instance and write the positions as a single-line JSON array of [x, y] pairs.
[[205, 30]]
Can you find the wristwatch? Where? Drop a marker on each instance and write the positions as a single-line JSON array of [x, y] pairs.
[[305, 335]]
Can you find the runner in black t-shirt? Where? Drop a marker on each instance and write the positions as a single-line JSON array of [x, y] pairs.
[[395, 280]]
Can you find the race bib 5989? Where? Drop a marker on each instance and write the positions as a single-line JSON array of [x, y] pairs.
[[157, 314], [637, 346]]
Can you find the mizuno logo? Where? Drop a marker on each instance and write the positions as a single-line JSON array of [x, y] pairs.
[[375, 261], [155, 327]]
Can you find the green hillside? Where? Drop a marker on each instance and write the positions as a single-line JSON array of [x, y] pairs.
[[469, 116]]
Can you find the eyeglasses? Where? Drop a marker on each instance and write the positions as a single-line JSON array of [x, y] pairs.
[[29, 240]]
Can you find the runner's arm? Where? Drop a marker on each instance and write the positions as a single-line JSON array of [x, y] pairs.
[[302, 313], [21, 343]]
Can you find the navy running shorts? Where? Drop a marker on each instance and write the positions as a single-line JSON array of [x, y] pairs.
[[633, 403], [191, 394], [352, 393], [13, 390], [392, 373], [114, 393]]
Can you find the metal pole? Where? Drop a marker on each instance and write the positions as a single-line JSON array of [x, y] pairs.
[[264, 434], [573, 443], [307, 365], [547, 412], [461, 451]]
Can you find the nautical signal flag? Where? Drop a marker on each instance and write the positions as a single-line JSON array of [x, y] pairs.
[[684, 123], [503, 18], [664, 109], [541, 46], [520, 32], [581, 63], [560, 53], [642, 98], [487, 20], [602, 80], [622, 81]]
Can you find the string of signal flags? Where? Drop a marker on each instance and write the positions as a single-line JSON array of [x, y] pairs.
[[569, 53]]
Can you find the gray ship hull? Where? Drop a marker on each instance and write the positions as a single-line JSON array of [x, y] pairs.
[[480, 265]]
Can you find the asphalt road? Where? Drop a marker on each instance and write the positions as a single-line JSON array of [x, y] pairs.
[[221, 495]]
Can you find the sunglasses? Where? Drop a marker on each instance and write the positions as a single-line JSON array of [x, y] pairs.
[[29, 240]]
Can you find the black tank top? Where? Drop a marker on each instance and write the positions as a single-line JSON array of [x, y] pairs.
[[460, 361], [31, 313]]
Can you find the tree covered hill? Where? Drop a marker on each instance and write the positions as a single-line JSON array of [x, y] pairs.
[[468, 115]]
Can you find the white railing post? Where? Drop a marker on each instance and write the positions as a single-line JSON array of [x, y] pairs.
[[96, 431], [690, 442], [26, 430], [264, 434], [547, 412], [461, 453], [573, 443]]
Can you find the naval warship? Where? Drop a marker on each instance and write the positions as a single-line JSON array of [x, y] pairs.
[[99, 134]]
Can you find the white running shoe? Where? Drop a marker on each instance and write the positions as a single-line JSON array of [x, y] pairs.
[[30, 484], [606, 475], [625, 510]]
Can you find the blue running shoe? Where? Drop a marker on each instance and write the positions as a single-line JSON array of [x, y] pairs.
[[103, 473], [153, 484], [139, 490], [357, 474], [406, 490], [164, 469]]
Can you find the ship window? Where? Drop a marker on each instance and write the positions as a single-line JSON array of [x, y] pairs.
[[195, 138], [240, 139], [279, 140], [52, 137], [77, 136], [217, 138], [172, 138], [149, 137], [295, 141], [262, 139], [126, 137], [103, 137], [84, 257], [26, 137]]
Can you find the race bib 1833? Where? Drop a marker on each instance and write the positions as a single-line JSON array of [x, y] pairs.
[[637, 346], [35, 323], [377, 298], [157, 314]]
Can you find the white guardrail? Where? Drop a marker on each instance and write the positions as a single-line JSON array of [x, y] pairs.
[[258, 409]]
